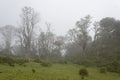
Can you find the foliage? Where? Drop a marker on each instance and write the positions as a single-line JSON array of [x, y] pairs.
[[11, 61], [114, 67], [103, 70], [37, 60], [79, 46], [7, 60], [55, 72], [21, 61], [33, 70], [83, 72], [46, 64]]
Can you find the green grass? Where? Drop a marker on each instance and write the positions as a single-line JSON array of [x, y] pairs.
[[55, 72]]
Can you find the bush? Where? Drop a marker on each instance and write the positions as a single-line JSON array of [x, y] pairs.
[[113, 67], [7, 60], [1, 59], [24, 65], [21, 61], [11, 64], [45, 64], [1, 72], [33, 70], [103, 70], [65, 62], [11, 61], [61, 62], [37, 61], [83, 72]]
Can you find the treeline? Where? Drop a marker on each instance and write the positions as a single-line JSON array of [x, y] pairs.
[[102, 51], [77, 46], [25, 41]]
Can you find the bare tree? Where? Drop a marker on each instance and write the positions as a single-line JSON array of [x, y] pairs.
[[29, 19], [46, 42], [8, 36]]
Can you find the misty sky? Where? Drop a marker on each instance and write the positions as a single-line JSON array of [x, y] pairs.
[[62, 14]]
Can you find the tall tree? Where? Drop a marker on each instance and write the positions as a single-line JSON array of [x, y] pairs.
[[83, 32], [107, 43], [79, 40], [29, 19]]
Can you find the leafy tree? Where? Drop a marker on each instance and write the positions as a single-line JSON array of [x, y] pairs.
[[106, 46], [83, 32], [79, 37]]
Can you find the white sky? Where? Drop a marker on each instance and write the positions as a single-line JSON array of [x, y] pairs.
[[62, 14]]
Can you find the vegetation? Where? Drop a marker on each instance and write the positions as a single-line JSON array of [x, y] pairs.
[[55, 72], [83, 72], [33, 70], [60, 57], [114, 67], [103, 70], [46, 64]]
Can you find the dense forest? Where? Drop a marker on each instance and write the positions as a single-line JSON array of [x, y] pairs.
[[22, 43]]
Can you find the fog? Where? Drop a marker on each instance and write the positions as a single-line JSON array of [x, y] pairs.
[[60, 39], [62, 14]]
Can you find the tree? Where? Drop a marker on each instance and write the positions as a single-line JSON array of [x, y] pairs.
[[59, 48], [59, 43], [73, 52], [29, 19], [96, 30], [72, 36], [80, 34], [46, 42], [106, 46], [8, 33], [79, 41], [83, 32]]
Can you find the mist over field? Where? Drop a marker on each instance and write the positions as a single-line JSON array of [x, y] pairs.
[[59, 40]]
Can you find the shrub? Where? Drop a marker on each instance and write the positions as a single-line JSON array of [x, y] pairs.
[[113, 67], [1, 59], [33, 70], [1, 72], [20, 61], [83, 72], [61, 62], [45, 64], [65, 62], [11, 64], [103, 70], [7, 60], [24, 65], [37, 61]]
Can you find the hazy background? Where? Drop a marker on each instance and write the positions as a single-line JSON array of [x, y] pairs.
[[62, 14]]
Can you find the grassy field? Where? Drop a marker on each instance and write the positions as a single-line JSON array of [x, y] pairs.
[[55, 72]]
